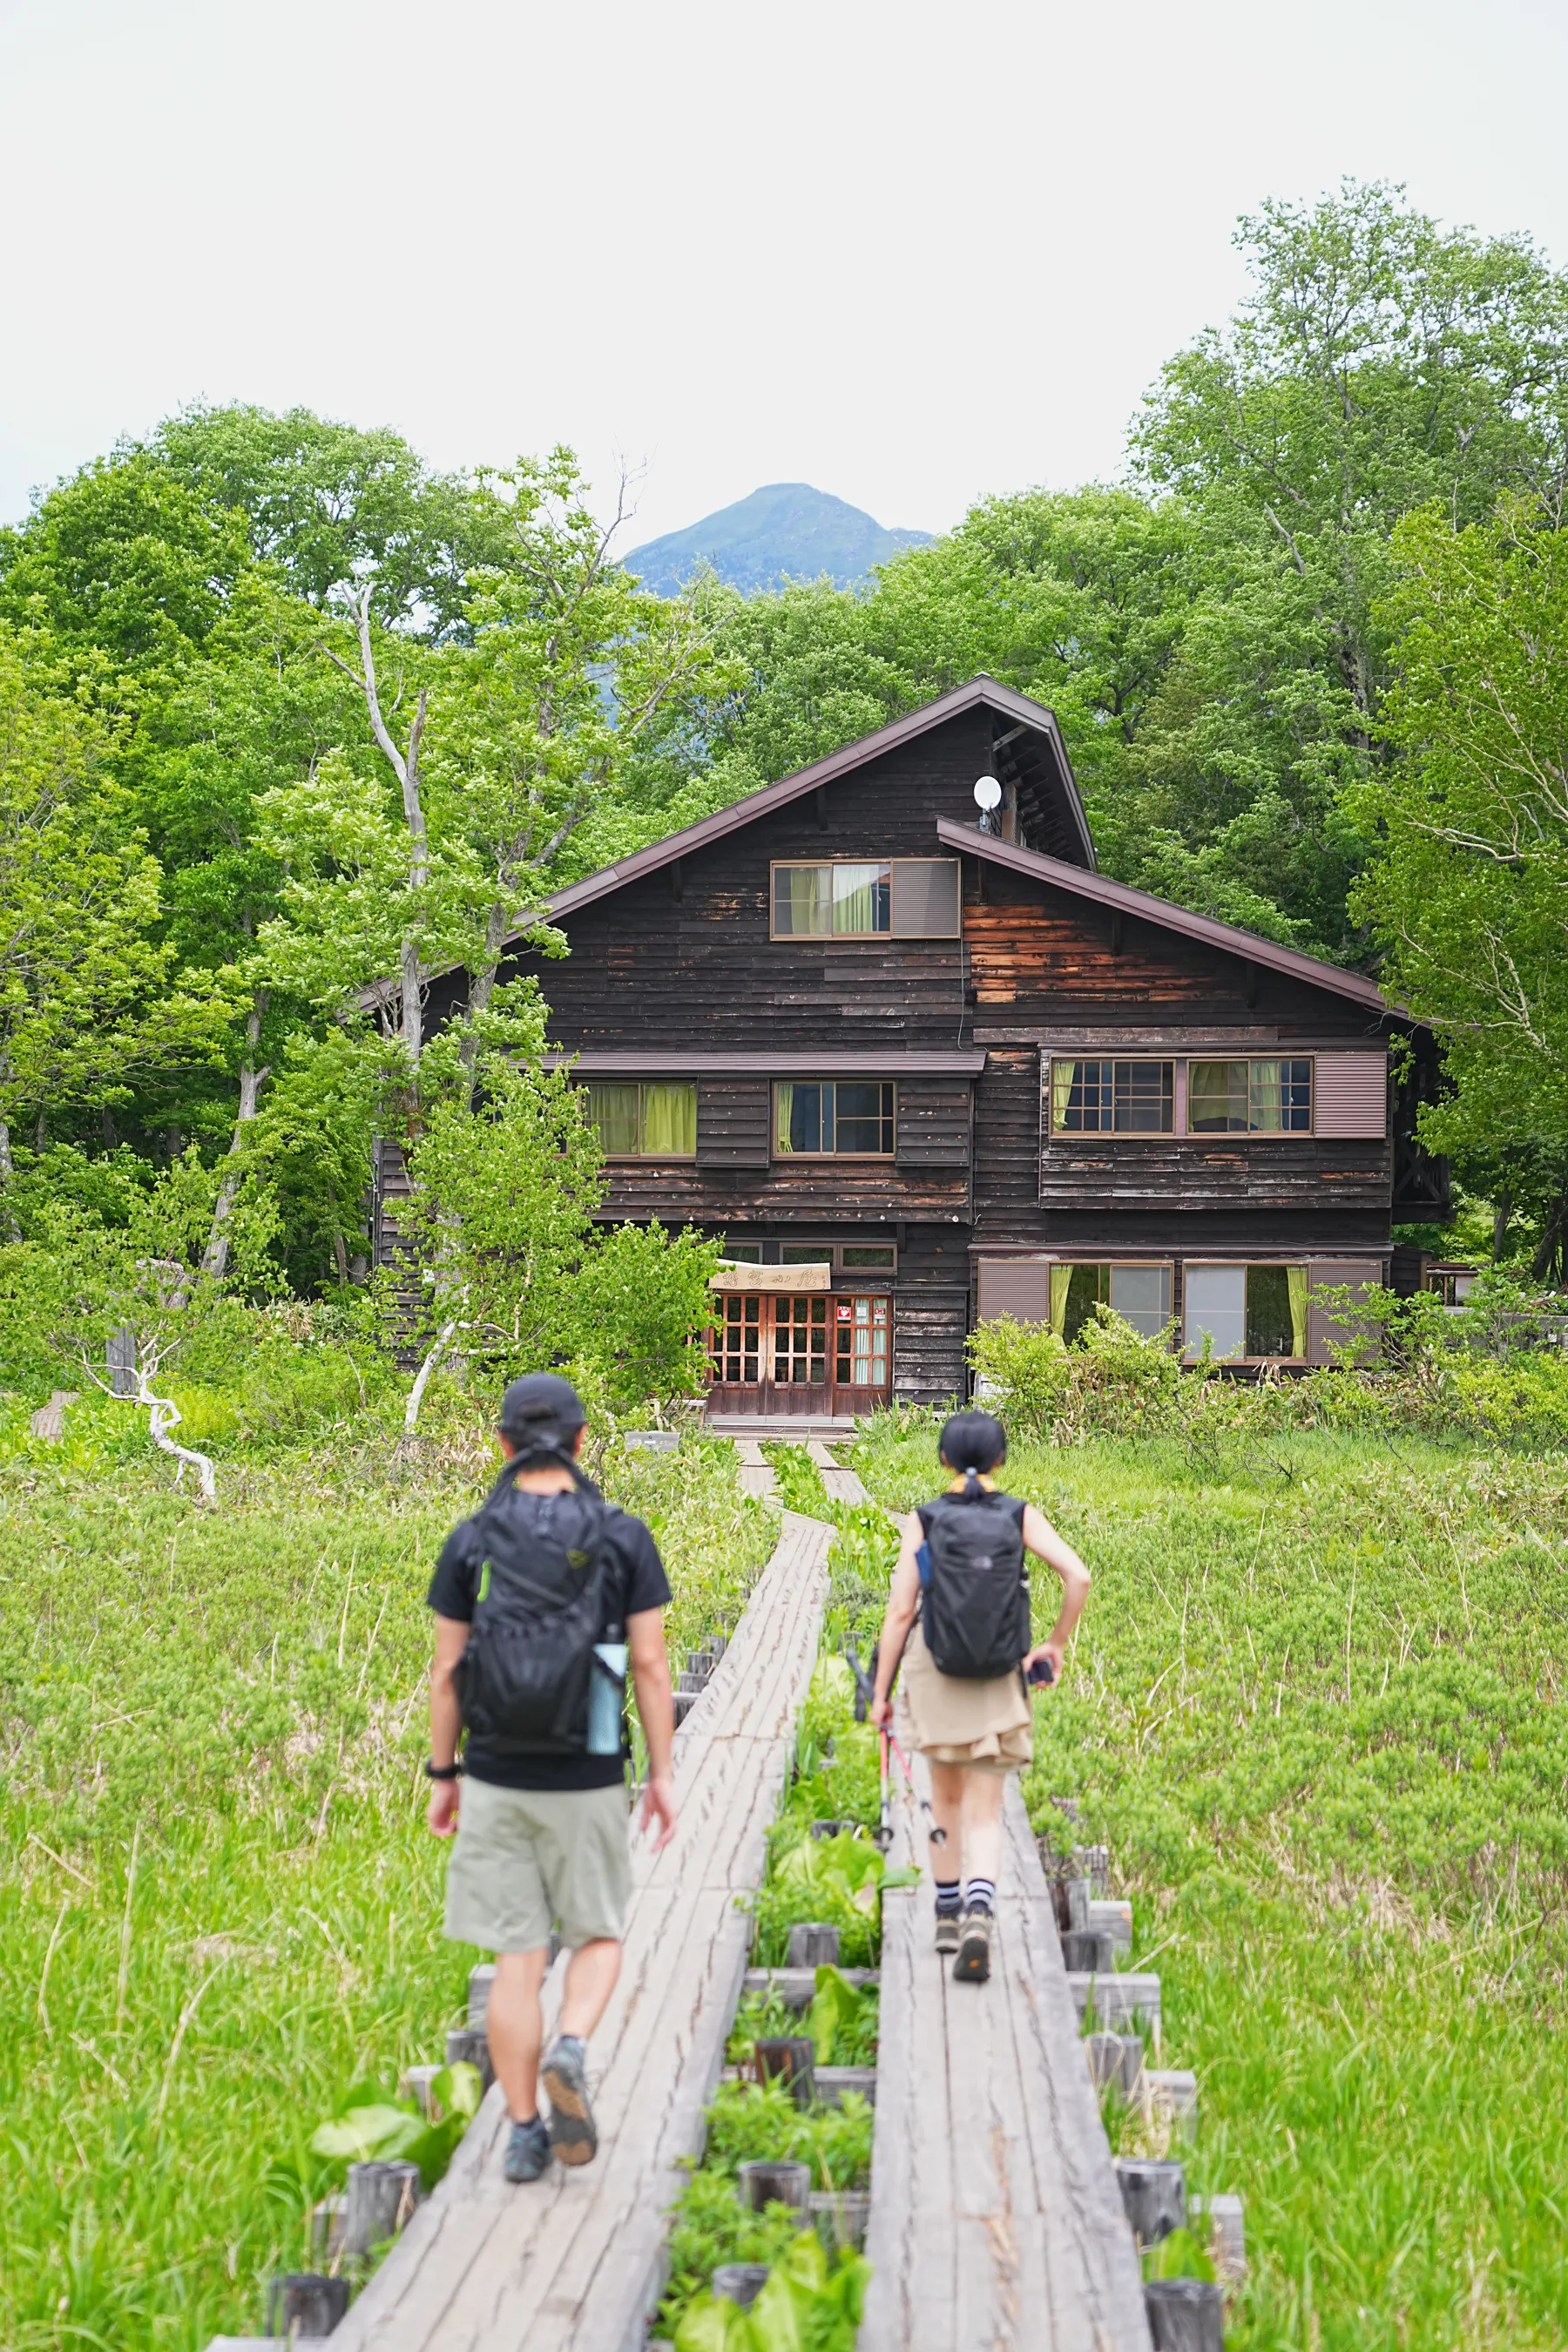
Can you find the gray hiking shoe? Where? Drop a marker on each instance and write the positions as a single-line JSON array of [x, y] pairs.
[[973, 1965], [949, 1930], [527, 2151], [572, 2137]]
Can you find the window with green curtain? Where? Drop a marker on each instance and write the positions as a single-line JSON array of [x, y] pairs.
[[669, 1122], [802, 901], [1064, 1077], [861, 899], [1217, 1098], [1061, 1278], [1263, 1106], [783, 1116], [1270, 1311], [613, 1112], [1296, 1280]]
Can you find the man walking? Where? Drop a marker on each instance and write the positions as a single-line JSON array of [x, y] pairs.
[[540, 1599]]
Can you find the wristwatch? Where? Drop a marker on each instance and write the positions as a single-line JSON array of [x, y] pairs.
[[441, 1772]]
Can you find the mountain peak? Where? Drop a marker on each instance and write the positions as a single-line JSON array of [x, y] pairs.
[[783, 529]]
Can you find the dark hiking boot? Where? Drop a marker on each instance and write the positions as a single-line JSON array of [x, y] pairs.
[[949, 1929], [973, 1965], [565, 2077], [528, 2150]]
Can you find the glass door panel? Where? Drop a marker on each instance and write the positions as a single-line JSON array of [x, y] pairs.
[[739, 1326], [862, 1333], [800, 1340]]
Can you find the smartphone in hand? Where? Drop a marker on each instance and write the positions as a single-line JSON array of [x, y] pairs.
[[1042, 1671]]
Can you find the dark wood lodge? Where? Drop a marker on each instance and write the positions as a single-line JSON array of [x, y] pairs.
[[918, 1064]]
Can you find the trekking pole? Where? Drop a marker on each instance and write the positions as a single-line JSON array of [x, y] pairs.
[[934, 1830], [865, 1692], [885, 1815]]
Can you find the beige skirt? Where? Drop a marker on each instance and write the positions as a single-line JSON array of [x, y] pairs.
[[954, 1721]]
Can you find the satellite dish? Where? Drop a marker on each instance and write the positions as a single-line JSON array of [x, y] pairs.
[[988, 792]]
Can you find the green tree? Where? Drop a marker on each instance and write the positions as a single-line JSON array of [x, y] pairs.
[[89, 996], [1468, 891], [323, 502]]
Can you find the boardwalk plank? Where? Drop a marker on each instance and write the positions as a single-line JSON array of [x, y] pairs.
[[995, 2222], [570, 2263]]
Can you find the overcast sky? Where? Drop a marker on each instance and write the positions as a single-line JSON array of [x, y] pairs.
[[911, 253]]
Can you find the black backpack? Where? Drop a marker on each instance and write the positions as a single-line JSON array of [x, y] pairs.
[[976, 1604], [523, 1678]]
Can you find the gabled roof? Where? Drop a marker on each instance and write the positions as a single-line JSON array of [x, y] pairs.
[[1229, 937], [1029, 745]]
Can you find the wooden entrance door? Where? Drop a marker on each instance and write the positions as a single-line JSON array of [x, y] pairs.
[[862, 1352], [799, 1353]]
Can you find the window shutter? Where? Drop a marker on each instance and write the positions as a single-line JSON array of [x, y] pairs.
[[1324, 1330], [925, 898], [1352, 1095], [732, 1123], [1019, 1287]]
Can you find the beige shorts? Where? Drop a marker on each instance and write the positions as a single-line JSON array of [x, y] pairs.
[[988, 1724], [527, 1860]]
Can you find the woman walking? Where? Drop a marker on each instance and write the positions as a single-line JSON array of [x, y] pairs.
[[958, 1616]]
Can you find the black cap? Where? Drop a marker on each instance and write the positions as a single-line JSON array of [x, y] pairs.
[[541, 1402]]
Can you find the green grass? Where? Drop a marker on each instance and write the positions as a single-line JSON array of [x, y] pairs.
[[1315, 1708], [220, 1907]]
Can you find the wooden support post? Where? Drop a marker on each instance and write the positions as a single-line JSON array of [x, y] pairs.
[[1116, 1921], [1221, 2220], [468, 2044], [789, 2058], [760, 2183], [1185, 2314], [740, 2282], [480, 1980], [1088, 1948], [813, 1945], [382, 2197], [1116, 2058], [1153, 2195], [1174, 2094], [839, 2217], [305, 2303]]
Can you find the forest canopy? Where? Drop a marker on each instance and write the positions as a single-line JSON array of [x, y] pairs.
[[287, 713]]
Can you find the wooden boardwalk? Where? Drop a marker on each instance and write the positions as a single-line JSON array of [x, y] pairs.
[[996, 2224], [571, 2264]]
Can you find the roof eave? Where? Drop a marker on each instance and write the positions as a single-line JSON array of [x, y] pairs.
[[975, 693], [1228, 939]]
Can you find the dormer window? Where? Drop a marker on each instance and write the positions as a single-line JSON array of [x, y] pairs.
[[849, 898]]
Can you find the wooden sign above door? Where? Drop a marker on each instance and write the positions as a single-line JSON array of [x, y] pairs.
[[773, 1277]]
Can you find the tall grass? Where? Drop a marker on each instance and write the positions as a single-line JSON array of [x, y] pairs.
[[220, 1906], [1315, 1708]]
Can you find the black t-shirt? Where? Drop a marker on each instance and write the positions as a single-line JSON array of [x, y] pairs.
[[634, 1581]]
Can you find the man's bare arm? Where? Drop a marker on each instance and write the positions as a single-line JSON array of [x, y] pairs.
[[655, 1711], [446, 1722]]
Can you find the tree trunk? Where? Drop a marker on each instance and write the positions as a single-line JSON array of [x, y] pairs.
[[405, 766], [1543, 1265], [421, 1377], [481, 986], [214, 1257], [8, 1226], [1503, 1211]]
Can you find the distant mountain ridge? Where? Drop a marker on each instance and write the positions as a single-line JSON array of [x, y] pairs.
[[783, 529]]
